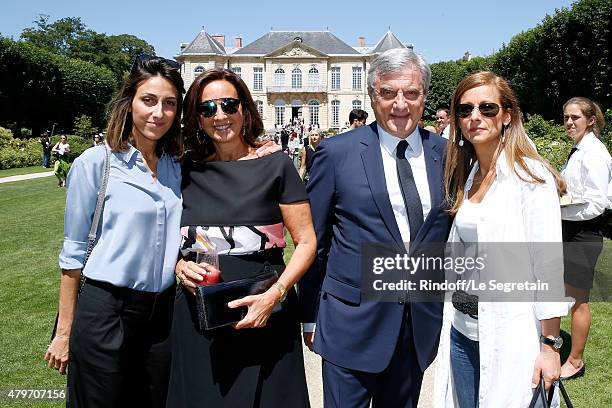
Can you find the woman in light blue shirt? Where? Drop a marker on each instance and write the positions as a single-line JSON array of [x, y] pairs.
[[116, 335]]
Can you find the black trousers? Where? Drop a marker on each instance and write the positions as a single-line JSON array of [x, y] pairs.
[[119, 347], [397, 386]]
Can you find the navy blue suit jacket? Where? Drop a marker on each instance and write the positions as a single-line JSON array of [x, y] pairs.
[[351, 207]]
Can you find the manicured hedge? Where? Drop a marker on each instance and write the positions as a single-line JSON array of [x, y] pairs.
[[28, 152]]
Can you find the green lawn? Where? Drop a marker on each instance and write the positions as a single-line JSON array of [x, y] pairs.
[[31, 218], [23, 170]]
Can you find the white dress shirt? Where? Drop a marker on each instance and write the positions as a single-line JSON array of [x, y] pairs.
[[446, 132], [588, 174], [416, 158]]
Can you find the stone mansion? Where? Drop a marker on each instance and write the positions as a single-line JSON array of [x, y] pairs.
[[309, 75]]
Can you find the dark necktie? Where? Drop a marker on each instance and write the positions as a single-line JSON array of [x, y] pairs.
[[571, 152], [414, 208]]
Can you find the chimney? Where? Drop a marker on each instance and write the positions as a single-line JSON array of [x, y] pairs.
[[220, 38], [238, 42], [362, 42]]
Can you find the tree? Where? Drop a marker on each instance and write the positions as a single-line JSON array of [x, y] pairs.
[[445, 76], [567, 55], [71, 38], [40, 88], [58, 37]]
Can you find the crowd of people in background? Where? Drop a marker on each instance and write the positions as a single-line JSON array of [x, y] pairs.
[[205, 180]]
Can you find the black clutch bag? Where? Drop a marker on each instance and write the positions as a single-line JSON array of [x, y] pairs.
[[212, 300]]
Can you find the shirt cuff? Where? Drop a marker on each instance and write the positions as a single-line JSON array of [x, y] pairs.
[[72, 255], [309, 327]]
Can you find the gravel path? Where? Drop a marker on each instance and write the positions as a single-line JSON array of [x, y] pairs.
[[25, 177], [312, 362]]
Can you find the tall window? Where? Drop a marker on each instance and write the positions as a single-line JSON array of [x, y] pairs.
[[197, 71], [335, 78], [279, 77], [313, 108], [356, 78], [279, 112], [356, 104], [335, 113], [296, 78], [237, 71], [257, 79], [313, 77], [259, 105]]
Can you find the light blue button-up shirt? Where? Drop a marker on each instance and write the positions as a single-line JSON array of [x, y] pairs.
[[139, 231]]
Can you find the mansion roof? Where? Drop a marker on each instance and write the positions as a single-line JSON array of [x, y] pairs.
[[322, 41]]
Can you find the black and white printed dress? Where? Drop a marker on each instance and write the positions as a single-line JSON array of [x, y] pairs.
[[234, 207]]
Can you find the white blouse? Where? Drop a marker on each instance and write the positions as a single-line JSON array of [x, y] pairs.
[[527, 214], [588, 174]]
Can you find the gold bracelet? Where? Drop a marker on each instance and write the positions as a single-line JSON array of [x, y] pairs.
[[281, 289]]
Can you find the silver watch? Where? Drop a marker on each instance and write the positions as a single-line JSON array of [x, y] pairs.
[[555, 342]]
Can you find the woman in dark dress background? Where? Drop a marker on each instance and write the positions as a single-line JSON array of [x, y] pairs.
[[238, 204]]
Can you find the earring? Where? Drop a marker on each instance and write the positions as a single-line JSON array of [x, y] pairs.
[[503, 133], [200, 136], [461, 143]]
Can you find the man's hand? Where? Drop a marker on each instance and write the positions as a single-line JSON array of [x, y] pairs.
[[308, 339]]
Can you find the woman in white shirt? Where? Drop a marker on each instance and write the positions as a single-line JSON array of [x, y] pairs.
[[500, 190], [588, 173], [61, 167]]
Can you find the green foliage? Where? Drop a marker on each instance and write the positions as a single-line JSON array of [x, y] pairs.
[[445, 76], [5, 136], [15, 153], [40, 88], [550, 139], [83, 127], [86, 90], [567, 55], [20, 153], [71, 38]]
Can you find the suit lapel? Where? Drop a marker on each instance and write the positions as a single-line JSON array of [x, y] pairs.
[[373, 165], [433, 165]]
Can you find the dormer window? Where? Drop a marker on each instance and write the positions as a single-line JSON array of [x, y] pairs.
[[298, 39]]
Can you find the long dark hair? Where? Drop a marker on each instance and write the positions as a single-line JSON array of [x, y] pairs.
[[120, 118], [197, 142]]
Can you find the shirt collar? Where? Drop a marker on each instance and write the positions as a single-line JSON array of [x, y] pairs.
[[586, 140], [389, 142], [128, 154]]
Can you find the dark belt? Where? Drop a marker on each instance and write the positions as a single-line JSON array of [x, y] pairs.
[[466, 303]]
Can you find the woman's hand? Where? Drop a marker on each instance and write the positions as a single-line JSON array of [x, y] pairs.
[[190, 274], [57, 353], [547, 365], [267, 148], [260, 308]]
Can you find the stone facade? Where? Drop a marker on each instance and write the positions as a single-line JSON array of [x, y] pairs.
[[308, 74]]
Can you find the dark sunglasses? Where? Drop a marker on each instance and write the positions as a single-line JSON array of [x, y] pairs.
[[142, 58], [209, 108], [488, 109]]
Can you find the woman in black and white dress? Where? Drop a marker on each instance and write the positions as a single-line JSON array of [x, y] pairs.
[[238, 204]]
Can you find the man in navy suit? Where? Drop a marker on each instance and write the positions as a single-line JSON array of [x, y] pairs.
[[369, 186]]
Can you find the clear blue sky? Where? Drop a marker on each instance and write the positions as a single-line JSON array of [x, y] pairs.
[[439, 30]]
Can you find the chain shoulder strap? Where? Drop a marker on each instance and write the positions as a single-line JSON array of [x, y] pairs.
[[91, 237]]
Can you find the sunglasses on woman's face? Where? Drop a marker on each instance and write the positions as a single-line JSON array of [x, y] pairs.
[[488, 109], [209, 108]]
